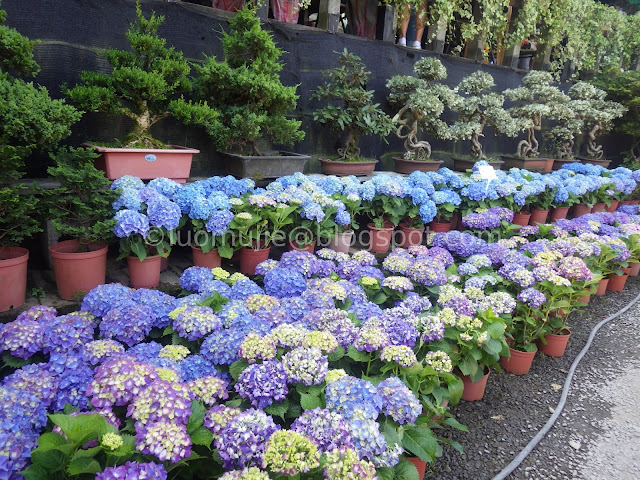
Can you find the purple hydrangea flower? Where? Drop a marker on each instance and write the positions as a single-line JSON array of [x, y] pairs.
[[131, 470], [161, 401], [129, 223], [328, 430], [196, 322], [22, 338], [350, 396], [128, 323], [284, 282], [398, 401], [305, 365], [532, 297], [118, 381], [40, 313], [263, 383], [105, 297], [165, 440]]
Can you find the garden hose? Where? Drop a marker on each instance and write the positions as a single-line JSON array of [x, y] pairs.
[[505, 472]]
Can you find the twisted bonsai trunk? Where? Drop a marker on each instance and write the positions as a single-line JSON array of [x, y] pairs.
[[530, 146], [351, 149], [593, 149], [410, 123]]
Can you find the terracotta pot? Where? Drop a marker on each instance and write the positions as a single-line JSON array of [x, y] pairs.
[[145, 273], [341, 242], [334, 167], [580, 209], [410, 166], [617, 282], [410, 236], [296, 246], [556, 344], [380, 238], [529, 163], [439, 227], [538, 216], [473, 391], [635, 202], [420, 466], [147, 164], [599, 207], [211, 259], [602, 162], [635, 269], [602, 287], [559, 163], [559, 213], [585, 299], [625, 202], [519, 363], [164, 264], [13, 277], [250, 259], [521, 219], [78, 271], [462, 164], [613, 207]]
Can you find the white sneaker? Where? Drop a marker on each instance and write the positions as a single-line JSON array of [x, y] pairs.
[[417, 45], [402, 42]]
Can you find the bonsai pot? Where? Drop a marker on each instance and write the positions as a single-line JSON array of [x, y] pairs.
[[538, 216], [410, 236], [145, 273], [519, 363], [613, 206], [380, 238], [559, 213], [410, 166], [211, 259], [530, 163], [78, 271], [250, 258], [294, 245], [602, 163], [341, 242], [275, 164], [13, 277], [339, 168], [558, 163], [462, 164], [473, 391], [556, 344], [147, 164]]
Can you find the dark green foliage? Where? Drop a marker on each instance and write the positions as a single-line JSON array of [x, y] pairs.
[[143, 83], [245, 90], [16, 51], [81, 206]]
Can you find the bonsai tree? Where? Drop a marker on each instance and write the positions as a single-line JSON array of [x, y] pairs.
[[242, 100], [595, 113], [81, 206], [30, 121], [478, 107], [537, 98], [143, 84], [421, 102], [351, 106]]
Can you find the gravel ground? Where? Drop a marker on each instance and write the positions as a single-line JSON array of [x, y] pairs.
[[597, 434]]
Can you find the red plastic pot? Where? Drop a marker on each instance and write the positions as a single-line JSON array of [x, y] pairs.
[[613, 207], [538, 216], [410, 236], [599, 207], [250, 258], [13, 277], [634, 269], [585, 299], [625, 202], [164, 264], [602, 287], [420, 466], [555, 346], [145, 273], [473, 391], [380, 237], [580, 209], [211, 259], [559, 213], [635, 202], [440, 227], [617, 282], [78, 271], [519, 363], [296, 246], [521, 219]]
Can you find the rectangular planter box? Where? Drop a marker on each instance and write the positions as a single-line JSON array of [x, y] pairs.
[[462, 164], [147, 164], [602, 163], [534, 164], [264, 166]]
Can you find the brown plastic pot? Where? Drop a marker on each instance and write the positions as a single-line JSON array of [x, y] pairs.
[[380, 238], [559, 213], [164, 264], [410, 236], [13, 277], [585, 299], [78, 272], [625, 202], [410, 166], [341, 242], [145, 273], [521, 219], [617, 282], [310, 247], [420, 466], [613, 206], [519, 363], [538, 216], [599, 207], [602, 287], [580, 209], [473, 391], [440, 227], [250, 258], [634, 269], [556, 344], [211, 259], [335, 167]]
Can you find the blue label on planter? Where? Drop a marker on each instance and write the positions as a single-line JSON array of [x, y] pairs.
[[150, 157]]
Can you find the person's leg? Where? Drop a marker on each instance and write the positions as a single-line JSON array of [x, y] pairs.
[[421, 17], [404, 25]]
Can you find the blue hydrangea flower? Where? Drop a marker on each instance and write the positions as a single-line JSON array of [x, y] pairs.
[[350, 396], [219, 221], [165, 186], [398, 401], [105, 297], [127, 181], [221, 348], [263, 383], [129, 199], [129, 323], [201, 208], [131, 470], [130, 222], [193, 277], [284, 282], [164, 213]]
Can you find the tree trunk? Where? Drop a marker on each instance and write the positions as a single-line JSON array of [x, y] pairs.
[[593, 149]]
